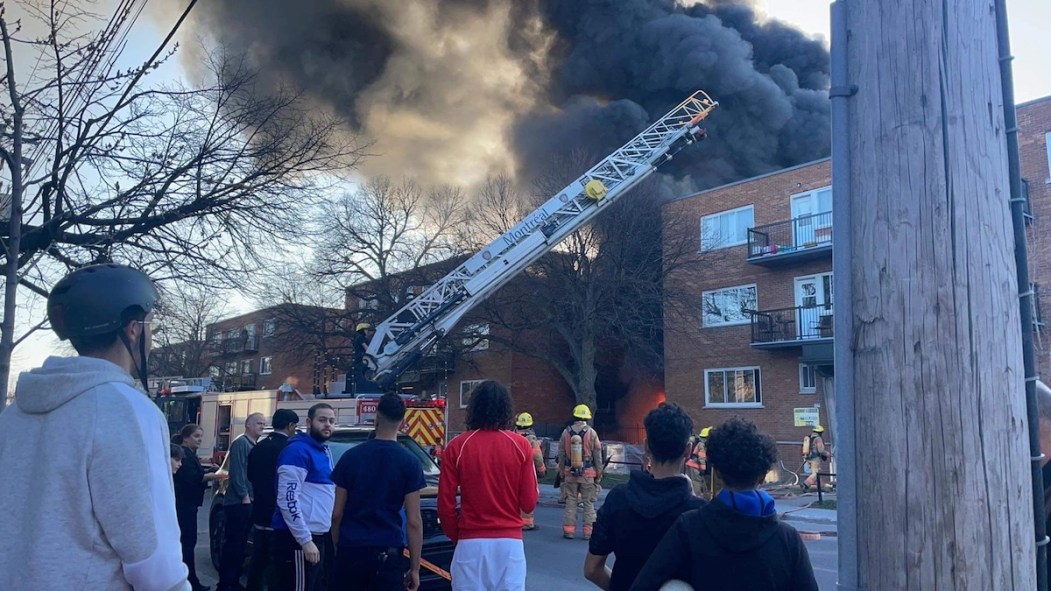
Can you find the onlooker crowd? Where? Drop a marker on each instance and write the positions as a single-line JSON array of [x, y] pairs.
[[356, 525]]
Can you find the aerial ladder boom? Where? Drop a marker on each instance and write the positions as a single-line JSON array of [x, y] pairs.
[[411, 331]]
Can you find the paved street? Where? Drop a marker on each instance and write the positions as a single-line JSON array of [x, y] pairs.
[[556, 563]]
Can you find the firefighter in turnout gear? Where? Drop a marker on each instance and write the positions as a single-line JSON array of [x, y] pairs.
[[524, 427], [580, 460], [815, 454], [697, 465]]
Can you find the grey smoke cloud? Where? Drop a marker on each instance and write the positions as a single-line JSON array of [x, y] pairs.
[[452, 90]]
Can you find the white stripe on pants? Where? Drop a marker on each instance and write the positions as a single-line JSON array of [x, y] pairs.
[[489, 564]]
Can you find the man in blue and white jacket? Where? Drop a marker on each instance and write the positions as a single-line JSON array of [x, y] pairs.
[[305, 496]]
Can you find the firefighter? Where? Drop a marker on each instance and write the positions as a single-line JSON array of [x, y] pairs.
[[580, 460], [524, 427], [362, 335], [697, 464], [815, 454]]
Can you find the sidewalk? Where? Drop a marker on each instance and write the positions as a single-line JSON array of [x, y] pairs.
[[791, 506]]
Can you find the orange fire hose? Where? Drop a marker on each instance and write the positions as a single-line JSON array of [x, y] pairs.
[[432, 567]]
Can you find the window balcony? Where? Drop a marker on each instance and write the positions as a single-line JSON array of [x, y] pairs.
[[791, 327], [804, 238]]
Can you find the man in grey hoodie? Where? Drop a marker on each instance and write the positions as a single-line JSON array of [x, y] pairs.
[[95, 508]]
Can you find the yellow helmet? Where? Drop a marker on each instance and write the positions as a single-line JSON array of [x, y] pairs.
[[362, 326], [524, 420], [582, 412], [706, 431], [819, 429]]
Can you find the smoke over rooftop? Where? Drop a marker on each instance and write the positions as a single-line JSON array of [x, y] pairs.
[[452, 90]]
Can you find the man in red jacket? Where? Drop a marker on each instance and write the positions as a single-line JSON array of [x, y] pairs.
[[492, 467]]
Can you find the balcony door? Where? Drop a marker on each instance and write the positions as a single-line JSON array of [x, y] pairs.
[[814, 306], [809, 226]]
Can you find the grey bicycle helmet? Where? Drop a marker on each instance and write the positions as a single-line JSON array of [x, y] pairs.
[[92, 299]]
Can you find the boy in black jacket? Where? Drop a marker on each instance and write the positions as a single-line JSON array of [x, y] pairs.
[[636, 516], [736, 541]]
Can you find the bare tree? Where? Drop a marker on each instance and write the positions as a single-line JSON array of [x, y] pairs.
[[387, 239], [181, 345], [175, 179], [598, 297]]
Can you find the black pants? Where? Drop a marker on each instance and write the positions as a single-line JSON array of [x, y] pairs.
[[260, 575], [237, 525], [369, 568], [187, 516], [292, 571]]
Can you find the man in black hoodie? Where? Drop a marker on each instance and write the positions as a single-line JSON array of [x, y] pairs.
[[636, 516], [736, 541], [262, 472]]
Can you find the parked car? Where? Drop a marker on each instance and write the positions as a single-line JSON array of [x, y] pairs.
[[437, 548]]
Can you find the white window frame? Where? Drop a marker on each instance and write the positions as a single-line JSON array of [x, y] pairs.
[[246, 364], [1047, 147], [470, 340], [464, 391], [710, 244], [758, 382], [269, 327], [266, 363], [803, 388], [705, 294]]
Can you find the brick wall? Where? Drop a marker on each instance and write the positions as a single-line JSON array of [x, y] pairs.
[[690, 349], [1034, 123]]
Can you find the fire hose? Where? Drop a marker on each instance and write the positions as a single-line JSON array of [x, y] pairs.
[[432, 567]]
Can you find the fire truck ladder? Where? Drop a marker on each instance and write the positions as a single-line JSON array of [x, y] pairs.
[[411, 331]]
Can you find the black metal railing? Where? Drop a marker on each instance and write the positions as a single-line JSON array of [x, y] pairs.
[[251, 343], [245, 381], [794, 235], [801, 323]]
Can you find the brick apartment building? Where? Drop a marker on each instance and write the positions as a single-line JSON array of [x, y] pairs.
[[264, 349], [1034, 151], [759, 344]]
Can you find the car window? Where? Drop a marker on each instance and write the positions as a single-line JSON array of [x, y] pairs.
[[341, 442]]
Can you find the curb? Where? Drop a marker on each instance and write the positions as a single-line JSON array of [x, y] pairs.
[[825, 520]]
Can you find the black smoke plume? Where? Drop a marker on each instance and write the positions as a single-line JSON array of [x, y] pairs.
[[452, 90]]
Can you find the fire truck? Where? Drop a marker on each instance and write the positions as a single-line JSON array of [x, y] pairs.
[[411, 332]]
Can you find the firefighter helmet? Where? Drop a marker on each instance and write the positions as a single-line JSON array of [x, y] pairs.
[[819, 429], [706, 431], [362, 326], [524, 420], [93, 299], [582, 412]]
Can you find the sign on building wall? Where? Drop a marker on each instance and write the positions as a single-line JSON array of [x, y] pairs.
[[807, 417]]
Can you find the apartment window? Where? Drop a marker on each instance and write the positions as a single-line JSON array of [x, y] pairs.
[[246, 366], [727, 307], [215, 372], [266, 366], [727, 228], [465, 391], [231, 368], [733, 387], [807, 379], [1038, 319], [269, 328], [476, 337], [1027, 205], [1047, 147]]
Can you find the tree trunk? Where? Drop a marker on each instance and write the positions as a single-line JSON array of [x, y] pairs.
[[586, 375], [943, 496], [7, 329]]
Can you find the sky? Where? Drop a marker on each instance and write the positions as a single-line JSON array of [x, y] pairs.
[[1030, 43]]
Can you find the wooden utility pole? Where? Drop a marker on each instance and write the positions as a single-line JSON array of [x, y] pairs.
[[943, 483]]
